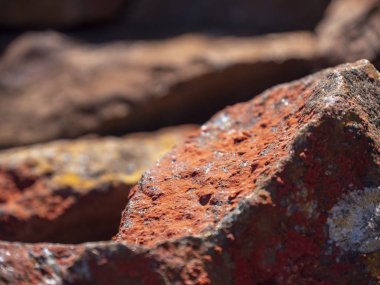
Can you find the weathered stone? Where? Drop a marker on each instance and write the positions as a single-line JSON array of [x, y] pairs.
[[266, 181], [350, 31], [74, 191], [56, 13], [282, 189], [101, 263], [135, 86]]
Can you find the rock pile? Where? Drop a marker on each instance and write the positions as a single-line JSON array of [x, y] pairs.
[[282, 189]]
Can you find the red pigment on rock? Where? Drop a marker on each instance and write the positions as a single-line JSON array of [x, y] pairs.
[[262, 176]]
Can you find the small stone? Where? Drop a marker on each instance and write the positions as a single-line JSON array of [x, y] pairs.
[[73, 191]]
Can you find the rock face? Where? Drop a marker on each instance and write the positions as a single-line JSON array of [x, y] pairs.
[[120, 88], [268, 182], [282, 189], [56, 13], [74, 191], [350, 31]]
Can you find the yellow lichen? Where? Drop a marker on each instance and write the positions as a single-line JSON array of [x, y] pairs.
[[373, 264], [73, 181]]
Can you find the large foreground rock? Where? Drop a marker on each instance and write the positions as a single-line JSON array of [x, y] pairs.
[[282, 189], [74, 191], [284, 186], [72, 89], [350, 31]]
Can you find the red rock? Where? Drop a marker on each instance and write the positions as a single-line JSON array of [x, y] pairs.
[[261, 180], [282, 189], [74, 191], [350, 31]]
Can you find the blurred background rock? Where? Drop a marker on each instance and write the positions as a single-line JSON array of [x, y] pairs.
[[74, 67]]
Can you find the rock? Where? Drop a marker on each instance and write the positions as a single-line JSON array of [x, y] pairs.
[[74, 191], [282, 189], [56, 13], [285, 186], [242, 16], [125, 87], [89, 263], [350, 31]]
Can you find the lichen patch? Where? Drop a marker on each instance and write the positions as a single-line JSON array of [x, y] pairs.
[[354, 222]]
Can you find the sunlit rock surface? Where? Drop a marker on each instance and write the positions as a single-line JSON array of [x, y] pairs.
[[74, 190]]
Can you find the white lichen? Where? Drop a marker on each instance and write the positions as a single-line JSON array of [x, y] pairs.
[[354, 222]]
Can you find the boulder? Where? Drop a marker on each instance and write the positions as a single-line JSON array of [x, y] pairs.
[[350, 31], [285, 186], [74, 191], [72, 89], [283, 189]]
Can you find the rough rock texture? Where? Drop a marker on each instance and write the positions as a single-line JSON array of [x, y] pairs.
[[138, 86], [74, 191], [56, 13], [282, 189], [238, 16], [103, 263], [350, 31], [265, 181]]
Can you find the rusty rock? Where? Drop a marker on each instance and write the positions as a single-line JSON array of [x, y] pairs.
[[267, 182], [124, 87], [282, 189], [103, 263], [350, 31], [74, 191]]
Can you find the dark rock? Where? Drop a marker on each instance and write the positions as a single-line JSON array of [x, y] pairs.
[[226, 16], [56, 13]]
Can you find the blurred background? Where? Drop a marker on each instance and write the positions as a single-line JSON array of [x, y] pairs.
[[74, 67]]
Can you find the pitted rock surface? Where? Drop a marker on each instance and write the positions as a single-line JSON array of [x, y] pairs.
[[73, 191], [265, 174], [256, 196]]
